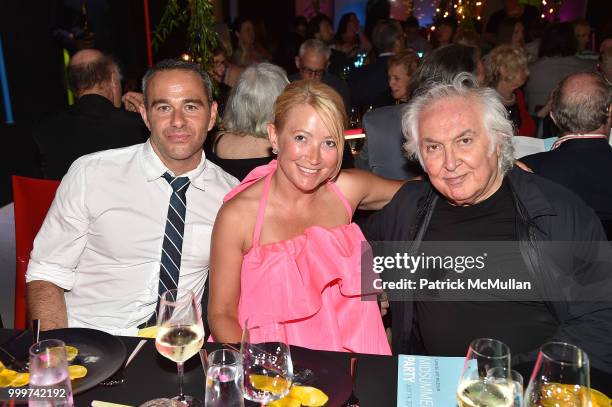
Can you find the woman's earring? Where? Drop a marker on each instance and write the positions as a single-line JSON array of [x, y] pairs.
[[274, 150]]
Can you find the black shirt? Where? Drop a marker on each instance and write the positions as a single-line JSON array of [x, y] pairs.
[[447, 328]]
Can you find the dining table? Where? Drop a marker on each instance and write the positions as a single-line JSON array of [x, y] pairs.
[[150, 376]]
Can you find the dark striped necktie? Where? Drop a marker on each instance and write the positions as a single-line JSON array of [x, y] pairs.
[[172, 247]]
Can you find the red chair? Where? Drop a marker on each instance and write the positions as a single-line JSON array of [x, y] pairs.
[[32, 198]]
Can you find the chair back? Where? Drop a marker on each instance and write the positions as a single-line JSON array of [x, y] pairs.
[[32, 198]]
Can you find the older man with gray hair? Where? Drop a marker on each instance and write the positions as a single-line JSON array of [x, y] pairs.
[[473, 193], [312, 63]]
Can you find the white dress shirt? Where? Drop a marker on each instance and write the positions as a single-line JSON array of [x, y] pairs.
[[102, 238]]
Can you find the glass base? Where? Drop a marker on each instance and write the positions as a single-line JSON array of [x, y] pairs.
[[188, 401], [174, 402]]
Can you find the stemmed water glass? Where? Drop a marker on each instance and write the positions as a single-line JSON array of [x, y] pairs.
[[477, 387], [266, 360], [560, 377], [180, 333]]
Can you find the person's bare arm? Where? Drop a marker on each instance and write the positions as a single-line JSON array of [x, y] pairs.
[[366, 190], [46, 303], [226, 255]]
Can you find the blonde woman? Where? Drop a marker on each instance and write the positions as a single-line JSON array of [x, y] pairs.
[[506, 72], [401, 68], [283, 242]]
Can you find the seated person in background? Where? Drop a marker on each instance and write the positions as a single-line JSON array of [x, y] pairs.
[[382, 152], [312, 63], [445, 32], [506, 71], [127, 224], [401, 68], [463, 140], [283, 242], [243, 144], [556, 60], [369, 84], [581, 159], [414, 40], [582, 33], [94, 122], [320, 27], [605, 63], [217, 73]]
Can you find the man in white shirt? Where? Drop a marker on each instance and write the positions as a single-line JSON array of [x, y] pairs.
[[96, 261]]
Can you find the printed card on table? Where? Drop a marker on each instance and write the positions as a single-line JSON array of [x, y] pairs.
[[427, 381]]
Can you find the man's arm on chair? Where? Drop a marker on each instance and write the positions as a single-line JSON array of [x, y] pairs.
[[46, 303], [57, 250]]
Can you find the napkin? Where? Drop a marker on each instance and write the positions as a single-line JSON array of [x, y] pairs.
[[98, 403]]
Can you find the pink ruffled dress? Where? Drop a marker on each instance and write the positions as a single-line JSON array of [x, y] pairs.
[[312, 282]]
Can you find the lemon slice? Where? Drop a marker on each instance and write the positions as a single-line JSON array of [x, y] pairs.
[[21, 379], [6, 377], [71, 353], [148, 332], [276, 385], [77, 371], [286, 401], [309, 396], [598, 399]]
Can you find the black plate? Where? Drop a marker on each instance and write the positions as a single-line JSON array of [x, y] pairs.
[[101, 353]]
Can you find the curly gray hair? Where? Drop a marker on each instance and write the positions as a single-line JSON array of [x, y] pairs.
[[494, 115]]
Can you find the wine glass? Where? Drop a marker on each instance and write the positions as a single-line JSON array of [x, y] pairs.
[[266, 360], [49, 374], [224, 379], [501, 374], [560, 377], [180, 332], [476, 388]]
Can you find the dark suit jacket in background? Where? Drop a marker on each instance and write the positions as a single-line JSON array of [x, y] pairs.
[[369, 84], [334, 82], [585, 167], [383, 152], [91, 124]]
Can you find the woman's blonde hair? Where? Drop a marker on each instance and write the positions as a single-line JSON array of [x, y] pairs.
[[513, 58], [408, 59], [324, 100]]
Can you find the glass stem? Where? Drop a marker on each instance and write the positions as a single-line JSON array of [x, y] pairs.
[[179, 368]]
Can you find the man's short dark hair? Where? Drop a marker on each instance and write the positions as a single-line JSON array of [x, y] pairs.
[[385, 33], [585, 111], [411, 22], [90, 74], [172, 64]]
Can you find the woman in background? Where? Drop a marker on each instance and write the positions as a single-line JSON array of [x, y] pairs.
[[243, 144], [283, 242], [401, 68], [506, 71]]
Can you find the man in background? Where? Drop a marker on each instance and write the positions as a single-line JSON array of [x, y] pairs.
[[312, 63], [94, 122], [581, 160]]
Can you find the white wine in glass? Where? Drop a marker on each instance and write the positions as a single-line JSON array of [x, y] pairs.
[[560, 378], [476, 388], [180, 333]]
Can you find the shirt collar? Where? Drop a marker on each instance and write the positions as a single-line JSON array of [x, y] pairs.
[[154, 168]]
